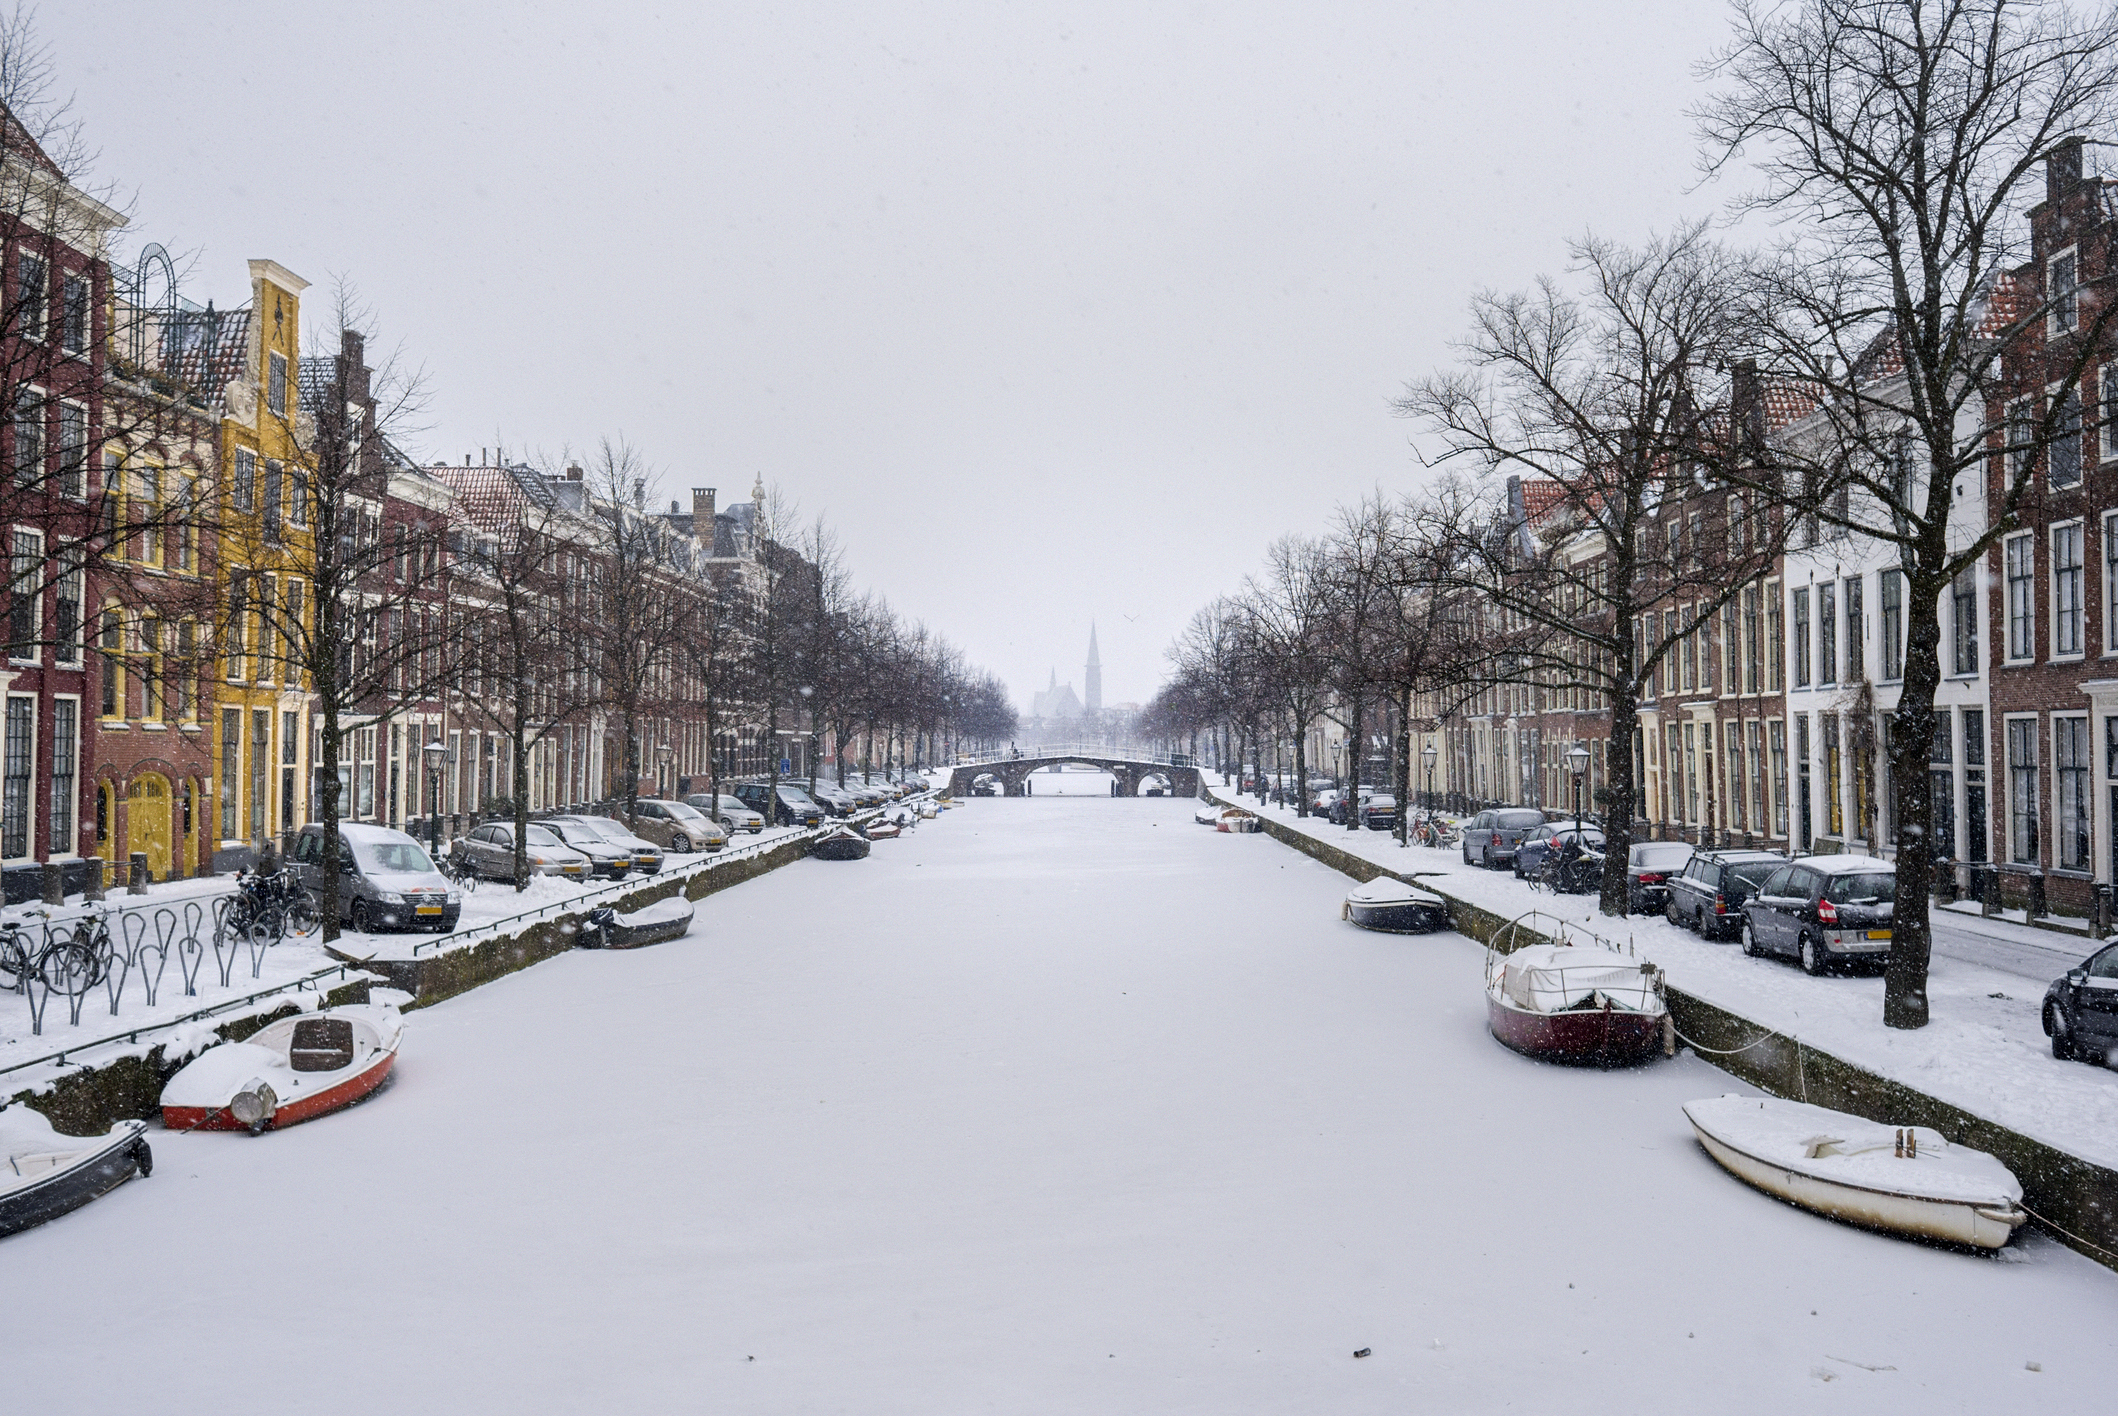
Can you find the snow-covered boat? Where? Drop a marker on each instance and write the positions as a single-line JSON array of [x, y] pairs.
[[1238, 822], [288, 1071], [657, 923], [927, 810], [841, 844], [1209, 814], [1394, 907], [882, 830], [1906, 1179], [1567, 1003], [44, 1174]]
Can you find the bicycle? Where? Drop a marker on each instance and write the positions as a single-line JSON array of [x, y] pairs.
[[267, 908], [457, 872], [68, 961]]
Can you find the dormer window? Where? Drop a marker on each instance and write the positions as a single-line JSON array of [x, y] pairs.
[[2061, 292]]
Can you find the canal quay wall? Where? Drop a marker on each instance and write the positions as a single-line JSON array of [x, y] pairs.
[[2075, 1200], [90, 1088]]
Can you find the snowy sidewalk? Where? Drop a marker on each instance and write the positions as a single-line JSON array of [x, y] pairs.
[[1985, 1050]]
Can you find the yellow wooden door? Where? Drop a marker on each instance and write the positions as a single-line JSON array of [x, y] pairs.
[[148, 820]]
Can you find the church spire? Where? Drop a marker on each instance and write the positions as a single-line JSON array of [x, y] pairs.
[[1092, 689]]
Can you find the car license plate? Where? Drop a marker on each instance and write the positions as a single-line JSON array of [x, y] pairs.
[[1878, 934], [428, 909]]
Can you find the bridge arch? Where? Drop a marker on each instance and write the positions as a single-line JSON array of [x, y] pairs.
[[1130, 772]]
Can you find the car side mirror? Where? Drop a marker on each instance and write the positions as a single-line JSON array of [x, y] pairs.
[[345, 866], [2077, 977]]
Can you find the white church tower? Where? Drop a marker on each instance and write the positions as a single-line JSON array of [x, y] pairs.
[[1092, 687]]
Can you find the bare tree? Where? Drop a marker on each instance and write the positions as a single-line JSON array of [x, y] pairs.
[[1900, 137], [635, 598]]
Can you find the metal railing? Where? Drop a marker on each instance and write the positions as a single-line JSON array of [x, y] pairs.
[[1076, 751]]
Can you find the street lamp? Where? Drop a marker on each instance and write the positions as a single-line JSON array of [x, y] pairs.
[[805, 691], [1427, 755], [437, 757], [664, 753], [1577, 758]]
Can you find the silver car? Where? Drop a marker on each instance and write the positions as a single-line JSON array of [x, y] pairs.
[[646, 855], [676, 826], [489, 851], [610, 860], [728, 811]]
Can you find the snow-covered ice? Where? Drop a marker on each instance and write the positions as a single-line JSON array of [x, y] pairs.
[[1049, 1106]]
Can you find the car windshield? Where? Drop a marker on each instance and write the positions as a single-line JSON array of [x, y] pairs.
[[1876, 888], [542, 836], [795, 796], [1517, 820], [1753, 875], [1666, 855], [597, 830], [679, 811], [392, 857]]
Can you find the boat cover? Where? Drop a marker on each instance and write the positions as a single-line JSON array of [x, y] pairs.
[[1849, 1150], [1385, 891], [1550, 978]]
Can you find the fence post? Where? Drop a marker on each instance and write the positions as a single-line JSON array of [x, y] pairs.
[[54, 884], [137, 884], [92, 888]]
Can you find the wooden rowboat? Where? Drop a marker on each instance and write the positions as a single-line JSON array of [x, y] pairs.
[[288, 1071], [44, 1174], [1393, 907], [1586, 1006], [1903, 1179], [841, 844]]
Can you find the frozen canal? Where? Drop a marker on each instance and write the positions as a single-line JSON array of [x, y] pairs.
[[1053, 1106]]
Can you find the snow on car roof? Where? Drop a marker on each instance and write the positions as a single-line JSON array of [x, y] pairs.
[[1849, 864]]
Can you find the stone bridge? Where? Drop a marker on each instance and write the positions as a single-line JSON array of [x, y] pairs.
[[1131, 771]]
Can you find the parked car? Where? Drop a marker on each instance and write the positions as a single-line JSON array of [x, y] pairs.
[[1649, 867], [794, 808], [731, 814], [607, 860], [1492, 836], [1708, 894], [1325, 802], [677, 826], [833, 798], [1823, 910], [1529, 856], [489, 851], [2081, 1009], [646, 855], [1379, 812], [386, 880]]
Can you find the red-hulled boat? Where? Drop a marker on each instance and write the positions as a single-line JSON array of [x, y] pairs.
[[287, 1072], [1586, 1006]]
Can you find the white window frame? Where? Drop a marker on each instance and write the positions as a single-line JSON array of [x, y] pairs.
[[2064, 814], [2008, 766], [2063, 319], [2008, 582], [72, 807], [29, 808], [2055, 610], [36, 614]]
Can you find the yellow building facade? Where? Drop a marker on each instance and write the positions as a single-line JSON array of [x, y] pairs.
[[264, 539]]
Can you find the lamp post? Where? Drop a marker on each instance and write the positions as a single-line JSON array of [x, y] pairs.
[[664, 754], [436, 754], [1577, 758], [1427, 755], [805, 691]]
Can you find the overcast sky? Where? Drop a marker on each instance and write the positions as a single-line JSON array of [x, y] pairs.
[[1056, 313]]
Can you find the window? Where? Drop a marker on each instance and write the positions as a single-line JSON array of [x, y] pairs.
[[1751, 656], [73, 451], [25, 574], [232, 636], [2063, 456], [15, 787], [65, 772], [1963, 594], [1856, 633], [73, 333], [1893, 624], [1834, 811], [276, 384], [297, 497], [260, 756], [1827, 633], [151, 706], [1801, 638], [2061, 293], [66, 615], [2021, 638], [2023, 845], [147, 497], [2066, 589], [231, 771], [1773, 648], [2070, 768], [33, 296], [2107, 384], [272, 500], [245, 490], [109, 640], [267, 650], [29, 437], [2021, 440], [1754, 746], [292, 626], [187, 647]]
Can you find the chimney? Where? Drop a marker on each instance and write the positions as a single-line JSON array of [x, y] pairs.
[[676, 508], [1746, 397], [573, 471], [639, 491], [702, 512], [2062, 170]]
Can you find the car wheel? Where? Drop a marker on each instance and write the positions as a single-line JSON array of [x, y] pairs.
[[1750, 942], [1467, 853], [680, 842], [1485, 856], [2055, 1023], [1669, 912], [363, 923], [1812, 956]]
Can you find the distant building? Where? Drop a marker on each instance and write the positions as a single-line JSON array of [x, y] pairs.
[[1056, 703]]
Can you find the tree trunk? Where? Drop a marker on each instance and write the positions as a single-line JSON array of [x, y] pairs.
[[1618, 814], [1356, 744], [1911, 745]]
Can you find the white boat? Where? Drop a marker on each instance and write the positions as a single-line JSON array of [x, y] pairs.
[[1208, 815], [1390, 905], [44, 1174], [1906, 1179]]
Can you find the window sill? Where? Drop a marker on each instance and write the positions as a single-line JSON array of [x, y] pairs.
[[1960, 678], [114, 725], [154, 727], [2071, 872]]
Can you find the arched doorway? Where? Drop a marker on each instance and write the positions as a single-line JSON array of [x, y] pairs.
[[147, 822]]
